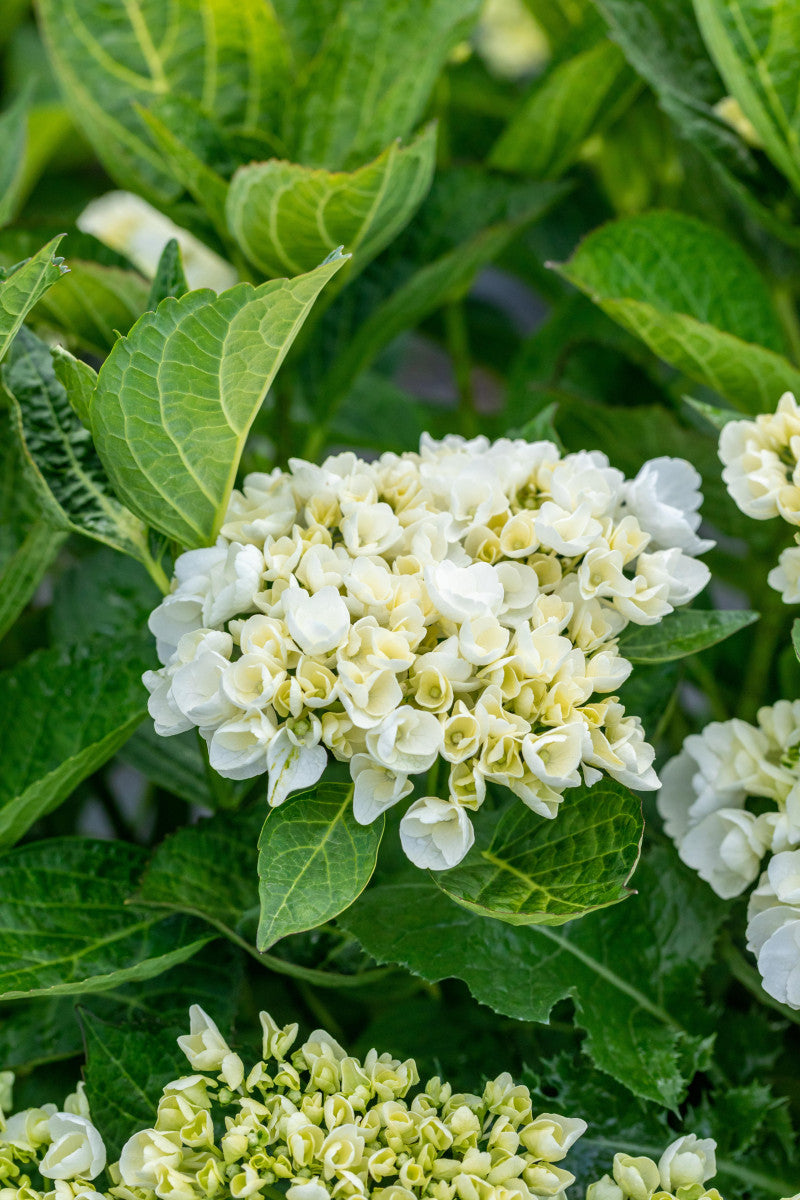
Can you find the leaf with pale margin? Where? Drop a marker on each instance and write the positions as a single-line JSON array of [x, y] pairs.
[[60, 451], [286, 217], [111, 58], [78, 379], [46, 1029], [575, 100], [314, 859], [77, 705], [370, 83], [716, 417], [541, 872], [693, 296], [632, 970], [169, 279], [24, 287], [66, 926], [682, 633], [756, 48], [175, 399]]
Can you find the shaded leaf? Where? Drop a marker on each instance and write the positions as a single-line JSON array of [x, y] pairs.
[[176, 398], [13, 138], [373, 76], [541, 872], [756, 46], [21, 575], [573, 101], [169, 279], [694, 298], [631, 970], [286, 217], [314, 859], [77, 705], [67, 928], [684, 632]]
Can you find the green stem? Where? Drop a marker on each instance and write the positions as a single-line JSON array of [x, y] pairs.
[[156, 573], [750, 979], [457, 337], [307, 974], [765, 642], [783, 297]]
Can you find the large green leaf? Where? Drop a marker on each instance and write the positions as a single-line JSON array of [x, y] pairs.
[[575, 100], [373, 75], [126, 1070], [539, 872], [23, 287], [682, 633], [59, 449], [287, 217], [21, 575], [76, 706], [227, 55], [632, 970], [314, 859], [692, 295], [756, 45], [66, 925], [175, 398]]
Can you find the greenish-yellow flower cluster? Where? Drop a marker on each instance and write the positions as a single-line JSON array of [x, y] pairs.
[[316, 1123]]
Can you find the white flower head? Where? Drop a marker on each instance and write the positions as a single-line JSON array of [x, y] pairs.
[[76, 1149]]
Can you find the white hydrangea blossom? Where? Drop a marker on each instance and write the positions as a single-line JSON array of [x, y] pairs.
[[682, 1171], [461, 604], [703, 800], [762, 474], [62, 1146]]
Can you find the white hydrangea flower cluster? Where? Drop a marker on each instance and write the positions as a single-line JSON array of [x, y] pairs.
[[62, 1147], [762, 474], [703, 800], [462, 603], [329, 1125], [680, 1174]]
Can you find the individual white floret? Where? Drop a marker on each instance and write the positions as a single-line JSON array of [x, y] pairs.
[[725, 848], [76, 1148], [436, 834], [665, 498], [688, 1161], [785, 578]]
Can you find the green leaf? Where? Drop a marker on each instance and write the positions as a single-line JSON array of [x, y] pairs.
[[77, 705], [540, 872], [95, 303], [693, 296], [631, 970], [175, 398], [60, 451], [756, 47], [67, 927], [169, 279], [287, 217], [684, 632], [372, 78], [13, 137], [46, 1029], [126, 1070], [229, 55], [573, 101], [78, 379], [104, 592], [208, 870], [21, 575], [314, 859], [796, 637], [558, 18], [179, 765], [24, 287], [170, 127]]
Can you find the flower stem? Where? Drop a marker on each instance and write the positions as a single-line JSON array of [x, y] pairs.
[[458, 348]]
